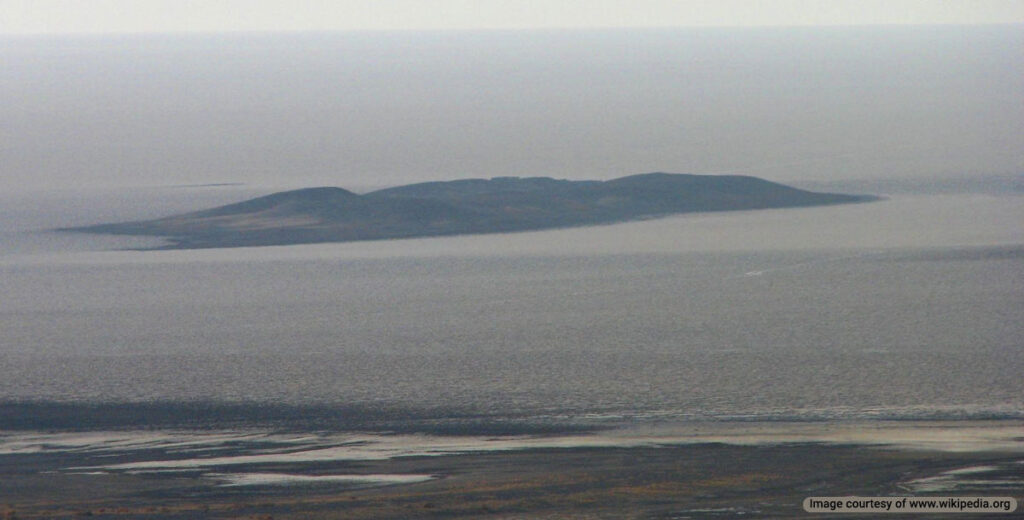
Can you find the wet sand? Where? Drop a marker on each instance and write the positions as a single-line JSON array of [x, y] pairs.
[[695, 480]]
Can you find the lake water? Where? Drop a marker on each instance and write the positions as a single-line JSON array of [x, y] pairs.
[[908, 308]]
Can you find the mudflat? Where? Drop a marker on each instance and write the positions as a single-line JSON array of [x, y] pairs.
[[670, 481]]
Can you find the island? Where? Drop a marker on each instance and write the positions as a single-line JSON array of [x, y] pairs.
[[467, 206]]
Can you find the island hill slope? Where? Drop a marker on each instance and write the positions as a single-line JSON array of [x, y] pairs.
[[495, 205]]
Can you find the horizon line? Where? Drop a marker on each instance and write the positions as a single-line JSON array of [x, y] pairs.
[[466, 30]]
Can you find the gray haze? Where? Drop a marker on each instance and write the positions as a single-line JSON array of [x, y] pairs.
[[370, 109]]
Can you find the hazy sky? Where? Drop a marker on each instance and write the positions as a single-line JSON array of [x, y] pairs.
[[106, 16], [933, 89], [360, 109]]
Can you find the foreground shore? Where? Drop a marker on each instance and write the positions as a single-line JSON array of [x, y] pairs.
[[233, 479]]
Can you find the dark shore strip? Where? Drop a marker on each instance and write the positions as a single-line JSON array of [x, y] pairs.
[[212, 416]]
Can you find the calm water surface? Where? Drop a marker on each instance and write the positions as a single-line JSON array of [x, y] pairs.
[[910, 308]]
